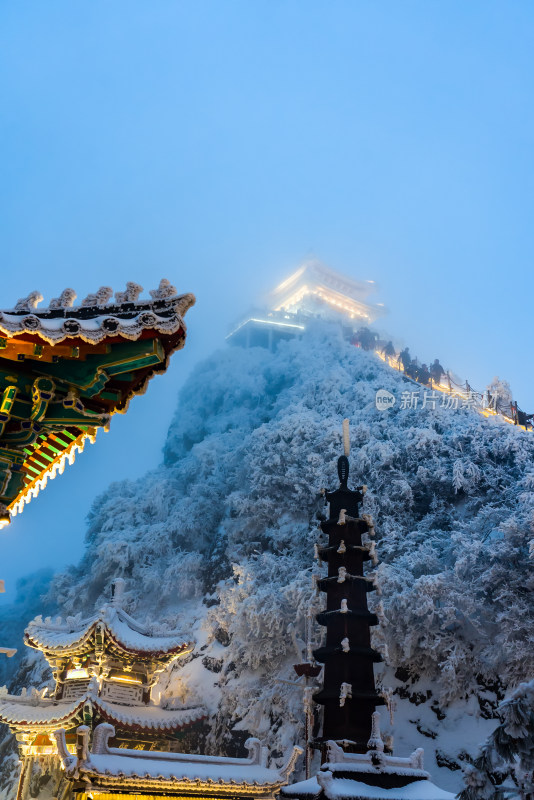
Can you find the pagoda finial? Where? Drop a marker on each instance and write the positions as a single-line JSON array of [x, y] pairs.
[[344, 498], [343, 471], [346, 437], [343, 461]]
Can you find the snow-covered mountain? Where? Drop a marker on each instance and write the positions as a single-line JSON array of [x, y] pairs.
[[219, 540]]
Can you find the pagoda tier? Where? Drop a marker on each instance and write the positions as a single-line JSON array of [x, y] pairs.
[[348, 694], [64, 371], [118, 772]]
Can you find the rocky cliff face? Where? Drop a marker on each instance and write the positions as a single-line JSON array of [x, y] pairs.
[[219, 540]]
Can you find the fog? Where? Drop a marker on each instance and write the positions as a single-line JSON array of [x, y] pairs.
[[220, 144]]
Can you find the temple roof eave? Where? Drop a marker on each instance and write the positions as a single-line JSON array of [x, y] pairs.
[[60, 325], [27, 714], [21, 713], [120, 630], [65, 370]]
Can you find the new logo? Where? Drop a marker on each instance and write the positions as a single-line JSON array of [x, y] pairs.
[[384, 400]]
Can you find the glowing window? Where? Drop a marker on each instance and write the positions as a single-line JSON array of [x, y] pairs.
[[76, 673]]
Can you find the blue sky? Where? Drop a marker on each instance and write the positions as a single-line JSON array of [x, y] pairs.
[[220, 143]]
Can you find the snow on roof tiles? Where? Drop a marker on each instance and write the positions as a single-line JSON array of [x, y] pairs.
[[95, 321], [307, 788], [341, 788], [334, 781], [43, 712], [123, 630], [184, 771], [106, 765], [59, 635], [150, 717], [22, 710]]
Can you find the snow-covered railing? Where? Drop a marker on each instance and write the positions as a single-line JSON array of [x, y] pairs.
[[483, 402], [107, 766]]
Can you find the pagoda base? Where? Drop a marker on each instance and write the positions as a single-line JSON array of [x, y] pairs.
[[358, 776]]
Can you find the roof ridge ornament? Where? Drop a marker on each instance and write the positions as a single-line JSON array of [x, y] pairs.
[[65, 300], [164, 290], [100, 298], [30, 302], [130, 295]]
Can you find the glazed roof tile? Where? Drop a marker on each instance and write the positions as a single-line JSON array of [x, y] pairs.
[[95, 320]]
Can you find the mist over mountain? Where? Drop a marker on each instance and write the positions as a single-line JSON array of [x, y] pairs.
[[219, 541]]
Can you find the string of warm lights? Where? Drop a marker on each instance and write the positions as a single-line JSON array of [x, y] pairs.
[[57, 467], [462, 394], [334, 299], [265, 322]]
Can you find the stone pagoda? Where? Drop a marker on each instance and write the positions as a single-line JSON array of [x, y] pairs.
[[355, 762], [348, 695], [104, 670]]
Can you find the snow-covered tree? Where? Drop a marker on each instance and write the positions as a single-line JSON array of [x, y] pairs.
[[505, 766], [219, 539], [500, 394]]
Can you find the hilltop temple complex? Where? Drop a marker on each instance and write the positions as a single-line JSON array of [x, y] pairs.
[[104, 670], [314, 290]]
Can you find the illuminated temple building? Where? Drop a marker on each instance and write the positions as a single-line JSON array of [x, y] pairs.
[[314, 290], [101, 732], [65, 370], [104, 670]]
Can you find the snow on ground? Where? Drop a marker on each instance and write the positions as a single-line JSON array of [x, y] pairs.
[[218, 541]]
